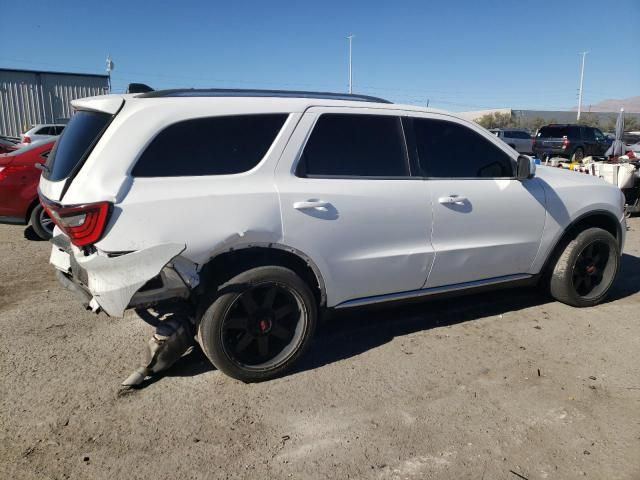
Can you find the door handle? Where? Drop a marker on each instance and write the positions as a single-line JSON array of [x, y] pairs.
[[319, 204], [452, 199]]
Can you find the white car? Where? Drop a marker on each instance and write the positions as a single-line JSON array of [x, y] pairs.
[[286, 204], [41, 131], [519, 140]]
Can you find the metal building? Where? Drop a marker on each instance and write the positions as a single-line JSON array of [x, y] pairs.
[[28, 97]]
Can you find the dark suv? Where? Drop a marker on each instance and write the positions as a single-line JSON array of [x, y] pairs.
[[571, 141]]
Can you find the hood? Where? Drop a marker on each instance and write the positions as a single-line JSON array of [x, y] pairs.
[[558, 177]]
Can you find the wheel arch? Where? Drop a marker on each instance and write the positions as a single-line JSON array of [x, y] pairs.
[[227, 264], [593, 219]]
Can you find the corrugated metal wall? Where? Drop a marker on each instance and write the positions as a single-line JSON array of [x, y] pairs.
[[27, 98]]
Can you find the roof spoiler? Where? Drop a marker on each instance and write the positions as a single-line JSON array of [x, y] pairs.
[[139, 88]]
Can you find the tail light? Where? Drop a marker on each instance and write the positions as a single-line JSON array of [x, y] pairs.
[[565, 142], [26, 139], [84, 224]]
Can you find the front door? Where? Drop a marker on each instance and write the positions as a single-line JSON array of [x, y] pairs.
[[486, 224], [350, 203]]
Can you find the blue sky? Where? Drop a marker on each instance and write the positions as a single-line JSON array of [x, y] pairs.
[[459, 55]]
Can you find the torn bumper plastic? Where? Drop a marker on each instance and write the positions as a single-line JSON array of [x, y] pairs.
[[114, 283]]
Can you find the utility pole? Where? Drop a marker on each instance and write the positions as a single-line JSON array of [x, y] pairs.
[[350, 37], [109, 69], [584, 54]]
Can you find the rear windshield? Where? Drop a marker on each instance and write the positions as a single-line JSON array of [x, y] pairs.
[[557, 132], [77, 140]]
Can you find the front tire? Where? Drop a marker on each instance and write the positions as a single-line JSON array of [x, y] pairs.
[[586, 269], [41, 222], [258, 324]]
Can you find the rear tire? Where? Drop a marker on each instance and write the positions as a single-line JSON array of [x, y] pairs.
[[578, 155], [583, 274], [41, 222], [258, 324]]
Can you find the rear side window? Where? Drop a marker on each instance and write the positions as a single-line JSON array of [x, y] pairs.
[[588, 134], [78, 138], [346, 145], [210, 146], [450, 150], [44, 131], [522, 135]]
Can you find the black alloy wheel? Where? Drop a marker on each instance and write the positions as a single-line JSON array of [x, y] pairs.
[[256, 325], [586, 268], [589, 268], [260, 326]]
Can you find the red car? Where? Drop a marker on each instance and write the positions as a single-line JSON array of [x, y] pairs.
[[19, 179]]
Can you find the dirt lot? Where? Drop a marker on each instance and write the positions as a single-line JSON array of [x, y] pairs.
[[503, 385]]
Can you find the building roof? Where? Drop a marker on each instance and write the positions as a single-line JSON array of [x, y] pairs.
[[48, 72]]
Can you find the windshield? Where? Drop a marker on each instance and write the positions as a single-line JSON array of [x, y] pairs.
[[78, 138]]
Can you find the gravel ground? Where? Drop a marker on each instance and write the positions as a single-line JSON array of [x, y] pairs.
[[504, 385]]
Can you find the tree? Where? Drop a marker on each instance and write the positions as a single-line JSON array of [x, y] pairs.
[[496, 120], [630, 123], [533, 124], [589, 119]]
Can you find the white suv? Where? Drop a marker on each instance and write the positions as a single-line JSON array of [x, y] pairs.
[[262, 209]]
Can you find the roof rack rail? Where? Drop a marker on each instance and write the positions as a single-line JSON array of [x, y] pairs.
[[232, 92]]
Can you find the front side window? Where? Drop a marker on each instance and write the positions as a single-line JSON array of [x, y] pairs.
[[349, 145], [450, 150], [210, 146], [599, 135]]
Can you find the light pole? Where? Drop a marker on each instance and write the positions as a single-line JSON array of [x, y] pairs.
[[350, 37], [109, 69], [584, 54]]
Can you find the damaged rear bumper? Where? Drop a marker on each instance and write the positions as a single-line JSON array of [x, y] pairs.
[[114, 283]]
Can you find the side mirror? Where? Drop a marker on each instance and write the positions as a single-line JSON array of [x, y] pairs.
[[526, 167]]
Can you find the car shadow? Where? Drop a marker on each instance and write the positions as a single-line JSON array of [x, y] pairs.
[[349, 333]]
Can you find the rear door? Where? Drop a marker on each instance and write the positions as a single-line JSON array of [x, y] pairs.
[[486, 224], [523, 141], [349, 202]]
